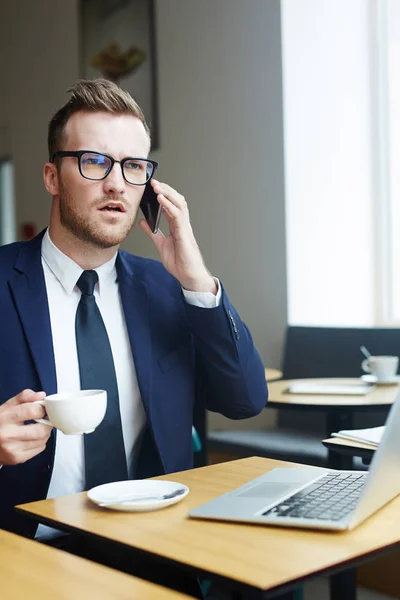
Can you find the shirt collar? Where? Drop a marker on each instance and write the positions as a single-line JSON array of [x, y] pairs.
[[67, 271]]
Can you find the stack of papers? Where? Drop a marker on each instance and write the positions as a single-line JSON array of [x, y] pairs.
[[371, 436]]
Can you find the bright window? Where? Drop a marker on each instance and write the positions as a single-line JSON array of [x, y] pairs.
[[336, 161], [391, 68]]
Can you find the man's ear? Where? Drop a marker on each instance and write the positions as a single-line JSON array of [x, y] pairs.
[[50, 178]]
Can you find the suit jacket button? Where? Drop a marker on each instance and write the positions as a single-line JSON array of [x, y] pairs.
[[46, 469]]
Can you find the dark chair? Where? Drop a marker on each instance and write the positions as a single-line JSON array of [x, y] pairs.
[[311, 352], [334, 351]]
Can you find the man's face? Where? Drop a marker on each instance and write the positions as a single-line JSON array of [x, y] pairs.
[[81, 202]]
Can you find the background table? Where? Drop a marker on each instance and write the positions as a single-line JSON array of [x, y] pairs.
[[34, 571], [261, 559], [350, 448], [339, 409], [380, 397], [272, 374]]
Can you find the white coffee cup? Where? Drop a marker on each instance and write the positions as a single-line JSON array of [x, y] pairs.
[[75, 412], [383, 367]]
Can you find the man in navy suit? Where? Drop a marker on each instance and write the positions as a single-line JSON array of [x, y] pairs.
[[175, 338]]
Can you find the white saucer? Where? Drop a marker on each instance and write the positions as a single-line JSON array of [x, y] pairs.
[[141, 487], [373, 379]]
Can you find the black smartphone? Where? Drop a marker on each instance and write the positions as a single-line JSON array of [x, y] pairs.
[[151, 208]]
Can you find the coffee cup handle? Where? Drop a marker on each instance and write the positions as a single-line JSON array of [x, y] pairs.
[[365, 365], [43, 421]]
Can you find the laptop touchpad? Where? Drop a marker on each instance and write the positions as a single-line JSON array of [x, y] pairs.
[[270, 490]]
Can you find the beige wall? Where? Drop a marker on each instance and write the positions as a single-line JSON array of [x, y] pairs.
[[40, 60], [220, 95]]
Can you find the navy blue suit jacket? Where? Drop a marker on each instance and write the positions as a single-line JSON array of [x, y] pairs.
[[176, 348]]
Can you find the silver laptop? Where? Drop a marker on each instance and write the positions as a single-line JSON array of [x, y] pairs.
[[313, 497]]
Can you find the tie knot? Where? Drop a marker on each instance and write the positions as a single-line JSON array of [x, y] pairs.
[[87, 281]]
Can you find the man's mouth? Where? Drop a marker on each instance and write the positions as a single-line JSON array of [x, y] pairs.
[[113, 207]]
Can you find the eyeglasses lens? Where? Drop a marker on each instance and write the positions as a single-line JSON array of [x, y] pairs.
[[138, 171], [94, 166], [97, 166]]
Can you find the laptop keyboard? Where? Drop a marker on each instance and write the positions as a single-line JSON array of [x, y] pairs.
[[330, 498]]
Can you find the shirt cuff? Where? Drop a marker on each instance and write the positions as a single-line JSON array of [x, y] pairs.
[[204, 299]]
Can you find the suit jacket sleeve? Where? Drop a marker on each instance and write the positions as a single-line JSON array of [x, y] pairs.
[[231, 371]]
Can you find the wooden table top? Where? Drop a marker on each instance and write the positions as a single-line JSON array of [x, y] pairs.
[[32, 570], [273, 374], [259, 556], [381, 395]]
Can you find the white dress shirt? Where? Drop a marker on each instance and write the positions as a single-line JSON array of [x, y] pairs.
[[61, 274]]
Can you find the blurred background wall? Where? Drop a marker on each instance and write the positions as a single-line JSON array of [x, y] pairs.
[[221, 133]]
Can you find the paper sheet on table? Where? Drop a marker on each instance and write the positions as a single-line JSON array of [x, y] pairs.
[[372, 436], [338, 389]]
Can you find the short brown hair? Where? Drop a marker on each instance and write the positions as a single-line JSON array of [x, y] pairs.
[[92, 95]]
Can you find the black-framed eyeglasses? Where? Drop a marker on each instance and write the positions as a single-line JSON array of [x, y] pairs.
[[96, 166]]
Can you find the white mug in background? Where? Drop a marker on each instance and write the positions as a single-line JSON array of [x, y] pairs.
[[383, 367], [75, 412]]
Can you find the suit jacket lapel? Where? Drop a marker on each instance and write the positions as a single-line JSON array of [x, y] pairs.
[[28, 289], [135, 303]]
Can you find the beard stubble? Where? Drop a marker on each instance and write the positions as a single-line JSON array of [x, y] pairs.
[[90, 232]]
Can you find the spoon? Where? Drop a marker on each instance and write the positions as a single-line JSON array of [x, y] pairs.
[[366, 353], [128, 498]]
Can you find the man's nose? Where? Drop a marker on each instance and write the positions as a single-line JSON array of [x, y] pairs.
[[114, 183]]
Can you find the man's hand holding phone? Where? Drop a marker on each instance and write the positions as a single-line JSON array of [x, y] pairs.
[[179, 251]]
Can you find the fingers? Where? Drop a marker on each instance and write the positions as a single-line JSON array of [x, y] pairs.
[[15, 447], [177, 219], [20, 455], [170, 210], [25, 396], [18, 443], [170, 195], [28, 454], [34, 432], [20, 413], [174, 207]]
